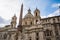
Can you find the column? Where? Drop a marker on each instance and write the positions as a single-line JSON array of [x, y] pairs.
[[53, 33], [33, 36], [26, 36], [41, 35]]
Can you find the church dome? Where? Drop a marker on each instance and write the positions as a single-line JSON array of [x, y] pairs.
[[29, 15]]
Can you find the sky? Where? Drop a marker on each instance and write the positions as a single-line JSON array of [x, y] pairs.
[[8, 8]]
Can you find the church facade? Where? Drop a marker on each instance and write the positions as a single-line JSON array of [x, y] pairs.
[[33, 27]]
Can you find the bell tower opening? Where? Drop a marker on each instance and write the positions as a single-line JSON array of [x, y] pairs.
[[36, 21], [36, 12]]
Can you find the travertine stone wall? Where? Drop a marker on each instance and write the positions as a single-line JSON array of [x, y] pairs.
[[41, 35]]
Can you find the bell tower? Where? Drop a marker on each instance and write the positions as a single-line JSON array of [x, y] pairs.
[[13, 22], [37, 16], [36, 13]]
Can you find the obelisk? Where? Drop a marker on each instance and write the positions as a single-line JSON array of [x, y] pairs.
[[20, 19]]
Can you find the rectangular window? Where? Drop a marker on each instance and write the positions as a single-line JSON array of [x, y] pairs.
[[37, 36], [30, 39], [48, 39], [31, 23], [53, 20], [57, 38], [58, 18], [59, 26], [56, 32]]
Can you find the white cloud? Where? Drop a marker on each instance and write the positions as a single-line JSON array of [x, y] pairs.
[[43, 16], [2, 25], [10, 7], [3, 22], [56, 5], [55, 13]]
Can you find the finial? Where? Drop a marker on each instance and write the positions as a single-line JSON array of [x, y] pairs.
[[36, 8], [14, 15], [29, 11]]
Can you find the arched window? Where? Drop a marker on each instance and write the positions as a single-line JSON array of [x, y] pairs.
[[36, 21], [48, 33], [26, 23], [36, 13], [5, 36], [29, 38], [0, 35], [37, 34], [54, 20], [31, 23]]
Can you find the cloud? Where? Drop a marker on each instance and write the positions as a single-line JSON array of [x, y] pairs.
[[43, 16], [56, 5], [2, 25], [55, 13], [9, 7], [3, 22]]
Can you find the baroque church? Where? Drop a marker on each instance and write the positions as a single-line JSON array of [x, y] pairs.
[[32, 27]]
